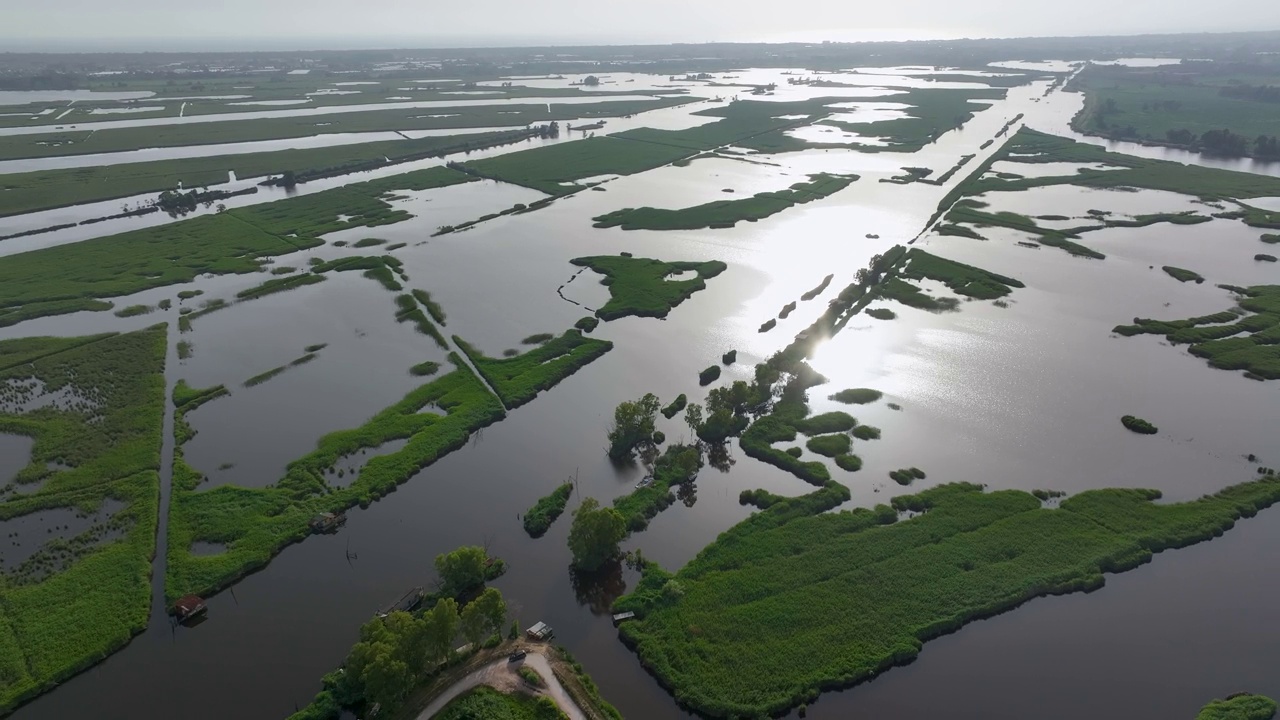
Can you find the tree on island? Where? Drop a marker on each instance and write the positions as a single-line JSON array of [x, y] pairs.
[[483, 616], [633, 425], [461, 569], [591, 81], [595, 534]]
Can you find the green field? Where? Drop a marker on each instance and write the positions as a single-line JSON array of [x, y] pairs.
[[555, 169], [640, 286], [65, 278], [734, 632], [1176, 108], [726, 213], [46, 189], [934, 111], [82, 142], [100, 443]]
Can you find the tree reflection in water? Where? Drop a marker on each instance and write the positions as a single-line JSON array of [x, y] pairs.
[[598, 589]]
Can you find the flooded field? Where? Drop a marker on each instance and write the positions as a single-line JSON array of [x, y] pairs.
[[1022, 393]]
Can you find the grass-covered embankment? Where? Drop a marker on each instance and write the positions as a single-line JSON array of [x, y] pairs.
[[641, 286], [519, 379], [726, 213], [78, 599], [794, 601], [256, 523]]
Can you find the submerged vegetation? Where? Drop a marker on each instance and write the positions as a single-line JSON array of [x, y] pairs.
[[1248, 341], [641, 286], [870, 589]]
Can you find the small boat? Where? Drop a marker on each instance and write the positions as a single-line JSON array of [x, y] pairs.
[[645, 482], [408, 603], [189, 607], [327, 522]]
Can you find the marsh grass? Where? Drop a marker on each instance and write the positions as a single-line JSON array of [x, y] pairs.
[[639, 286], [870, 589], [108, 446], [544, 512], [519, 379], [726, 213]]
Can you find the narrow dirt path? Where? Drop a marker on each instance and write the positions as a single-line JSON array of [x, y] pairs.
[[502, 675]]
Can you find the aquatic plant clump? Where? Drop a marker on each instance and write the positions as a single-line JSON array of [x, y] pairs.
[[1138, 425], [675, 407], [870, 589], [544, 512], [857, 396], [709, 375], [1247, 339], [1183, 275], [1241, 706], [830, 445], [641, 286]]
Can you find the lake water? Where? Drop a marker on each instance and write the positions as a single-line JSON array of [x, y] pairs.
[[1026, 396]]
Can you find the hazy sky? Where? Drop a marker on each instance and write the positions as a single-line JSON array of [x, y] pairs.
[[398, 23]]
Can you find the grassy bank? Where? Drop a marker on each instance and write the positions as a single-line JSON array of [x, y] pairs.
[[640, 286]]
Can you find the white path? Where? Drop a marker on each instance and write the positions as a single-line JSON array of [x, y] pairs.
[[502, 673]]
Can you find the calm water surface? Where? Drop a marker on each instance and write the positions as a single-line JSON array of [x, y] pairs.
[[1026, 396]]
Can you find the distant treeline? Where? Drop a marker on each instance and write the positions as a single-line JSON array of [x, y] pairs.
[[1225, 142], [1257, 93]]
